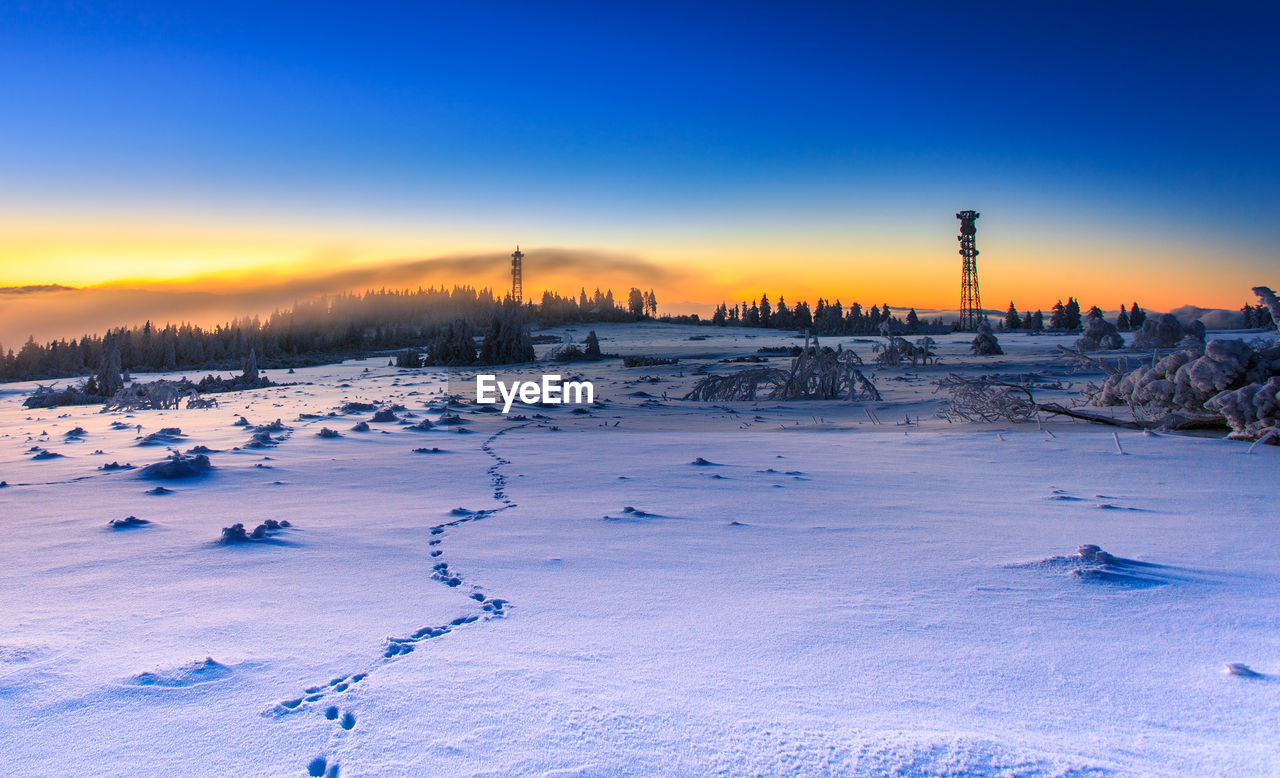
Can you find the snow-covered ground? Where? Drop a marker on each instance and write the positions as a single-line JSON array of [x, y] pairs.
[[567, 593]]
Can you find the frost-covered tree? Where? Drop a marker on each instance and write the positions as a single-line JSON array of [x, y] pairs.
[[1099, 335], [1072, 312], [592, 349], [1011, 319], [984, 343], [249, 374], [1136, 316], [1227, 383], [1058, 319], [506, 342], [453, 345], [1168, 332], [801, 316], [1271, 302], [1122, 320], [110, 378]]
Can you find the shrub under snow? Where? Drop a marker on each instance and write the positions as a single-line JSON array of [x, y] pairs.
[[1228, 381], [1099, 335], [985, 343], [178, 466], [1168, 332]]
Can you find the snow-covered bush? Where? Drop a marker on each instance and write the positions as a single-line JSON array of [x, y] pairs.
[[178, 466], [1270, 300], [985, 343], [236, 533], [1228, 382], [1168, 332], [128, 522], [1099, 335], [48, 397], [1251, 411]]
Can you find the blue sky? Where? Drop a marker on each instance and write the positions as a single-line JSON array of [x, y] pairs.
[[653, 128]]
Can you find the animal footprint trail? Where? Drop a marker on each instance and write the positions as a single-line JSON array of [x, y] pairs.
[[322, 766]]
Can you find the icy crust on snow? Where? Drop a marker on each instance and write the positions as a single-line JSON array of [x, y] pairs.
[[649, 587]]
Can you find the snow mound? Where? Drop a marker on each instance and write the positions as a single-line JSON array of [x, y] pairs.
[[262, 439], [162, 437], [178, 466], [910, 754], [1243, 670], [236, 533], [1091, 563], [128, 522], [325, 432], [188, 675]]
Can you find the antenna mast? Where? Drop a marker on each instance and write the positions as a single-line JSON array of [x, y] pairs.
[[517, 276], [970, 303]]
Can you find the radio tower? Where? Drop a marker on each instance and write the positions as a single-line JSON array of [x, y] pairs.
[[970, 304], [517, 275]]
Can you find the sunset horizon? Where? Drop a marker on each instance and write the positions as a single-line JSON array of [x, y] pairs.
[[174, 152]]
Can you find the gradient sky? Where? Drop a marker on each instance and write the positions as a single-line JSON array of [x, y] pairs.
[[1115, 153]]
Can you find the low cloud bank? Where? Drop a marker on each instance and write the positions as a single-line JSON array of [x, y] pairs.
[[54, 311]]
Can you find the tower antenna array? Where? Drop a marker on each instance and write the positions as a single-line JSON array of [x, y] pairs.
[[970, 303], [517, 276]]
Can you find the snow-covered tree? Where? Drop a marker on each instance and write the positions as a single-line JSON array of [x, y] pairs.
[[1099, 335], [1270, 300], [1168, 332], [984, 344], [1011, 319]]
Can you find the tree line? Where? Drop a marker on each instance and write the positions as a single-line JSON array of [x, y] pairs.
[[328, 329], [1067, 317], [825, 318]]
